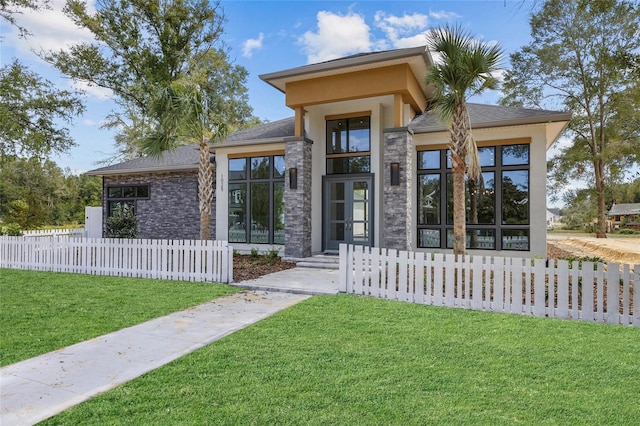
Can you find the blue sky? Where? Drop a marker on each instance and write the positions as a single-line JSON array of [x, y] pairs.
[[268, 36]]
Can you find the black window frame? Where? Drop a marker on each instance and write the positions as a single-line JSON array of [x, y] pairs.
[[250, 182], [347, 156], [129, 201], [499, 230]]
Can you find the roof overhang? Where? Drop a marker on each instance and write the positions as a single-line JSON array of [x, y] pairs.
[[418, 58], [144, 170]]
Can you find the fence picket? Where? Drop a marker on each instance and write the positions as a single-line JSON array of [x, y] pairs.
[[587, 291], [179, 260], [563, 290]]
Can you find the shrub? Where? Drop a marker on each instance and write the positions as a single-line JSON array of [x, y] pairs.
[[626, 231], [11, 229], [254, 253], [272, 256], [122, 224]]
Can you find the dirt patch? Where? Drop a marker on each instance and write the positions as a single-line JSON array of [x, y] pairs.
[[610, 249], [247, 267]]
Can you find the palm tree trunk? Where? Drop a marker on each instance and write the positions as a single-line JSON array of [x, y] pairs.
[[205, 190], [457, 146]]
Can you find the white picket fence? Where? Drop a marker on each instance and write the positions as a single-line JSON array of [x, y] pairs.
[[184, 260], [590, 292], [66, 232]]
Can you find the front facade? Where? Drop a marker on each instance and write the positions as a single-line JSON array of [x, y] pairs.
[[359, 163]]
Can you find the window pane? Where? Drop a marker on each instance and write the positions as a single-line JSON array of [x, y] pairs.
[[481, 239], [515, 154], [515, 239], [143, 191], [337, 191], [336, 136], [114, 192], [487, 156], [278, 213], [128, 192], [359, 134], [359, 164], [259, 168], [259, 213], [336, 231], [481, 199], [360, 191], [429, 199], [278, 166], [337, 165], [360, 231], [449, 199], [237, 168], [237, 213], [429, 160], [429, 238], [515, 197]]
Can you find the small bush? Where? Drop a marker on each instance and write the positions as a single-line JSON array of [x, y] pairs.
[[122, 224], [11, 230], [254, 253], [626, 231], [272, 256]]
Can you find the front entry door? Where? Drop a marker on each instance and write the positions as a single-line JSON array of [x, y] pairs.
[[348, 203]]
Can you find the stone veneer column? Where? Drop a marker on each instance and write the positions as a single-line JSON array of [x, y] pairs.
[[297, 222], [397, 213]]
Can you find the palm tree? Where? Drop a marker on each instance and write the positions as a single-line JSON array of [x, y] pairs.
[[183, 116], [463, 68]]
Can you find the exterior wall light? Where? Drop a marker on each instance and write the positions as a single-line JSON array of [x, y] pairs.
[[395, 174], [293, 178]]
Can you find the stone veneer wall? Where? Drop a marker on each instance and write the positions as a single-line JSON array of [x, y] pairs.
[[171, 212], [297, 202], [397, 212]]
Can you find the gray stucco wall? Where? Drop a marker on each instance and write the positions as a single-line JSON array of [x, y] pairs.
[[171, 212]]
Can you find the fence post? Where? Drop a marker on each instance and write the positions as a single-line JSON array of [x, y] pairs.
[[343, 268]]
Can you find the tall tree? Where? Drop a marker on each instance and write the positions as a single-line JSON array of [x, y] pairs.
[[464, 68], [584, 57], [182, 114], [145, 45], [31, 108]]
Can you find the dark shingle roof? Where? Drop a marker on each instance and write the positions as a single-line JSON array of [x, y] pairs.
[[182, 158], [277, 129], [484, 116], [624, 209]]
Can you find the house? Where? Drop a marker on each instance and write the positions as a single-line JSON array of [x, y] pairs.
[[360, 162], [553, 217], [625, 215]]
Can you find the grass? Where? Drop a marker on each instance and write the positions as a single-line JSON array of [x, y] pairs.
[[45, 311], [358, 361]]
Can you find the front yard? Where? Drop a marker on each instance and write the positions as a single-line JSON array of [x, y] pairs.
[[44, 311], [335, 360]]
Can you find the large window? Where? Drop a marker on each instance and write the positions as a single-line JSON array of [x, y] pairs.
[[497, 203], [256, 200], [348, 145], [125, 196]]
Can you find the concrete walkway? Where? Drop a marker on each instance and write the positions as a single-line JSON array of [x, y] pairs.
[[40, 387]]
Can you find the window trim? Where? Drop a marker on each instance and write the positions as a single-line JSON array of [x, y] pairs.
[[248, 182], [498, 227]]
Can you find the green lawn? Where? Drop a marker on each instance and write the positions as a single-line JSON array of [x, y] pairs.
[[354, 361], [44, 311]]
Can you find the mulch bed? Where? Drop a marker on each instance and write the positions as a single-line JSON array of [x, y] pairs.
[[247, 267]]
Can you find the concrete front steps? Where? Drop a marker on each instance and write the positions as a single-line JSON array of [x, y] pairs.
[[318, 261]]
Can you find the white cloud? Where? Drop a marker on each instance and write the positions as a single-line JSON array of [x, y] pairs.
[[336, 36], [403, 31], [99, 93], [252, 44], [50, 29], [442, 14]]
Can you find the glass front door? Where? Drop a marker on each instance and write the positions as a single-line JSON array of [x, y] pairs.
[[347, 211]]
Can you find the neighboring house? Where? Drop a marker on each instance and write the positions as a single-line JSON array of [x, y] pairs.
[[360, 162], [625, 215], [553, 217]]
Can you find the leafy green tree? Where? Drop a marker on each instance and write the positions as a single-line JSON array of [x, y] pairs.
[[584, 58], [182, 114], [465, 69], [9, 8], [142, 46]]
